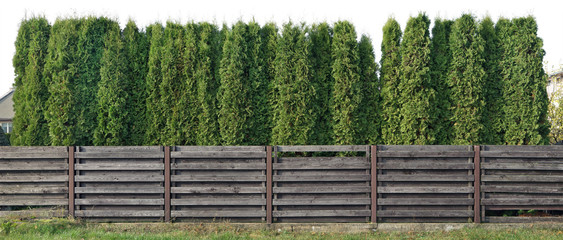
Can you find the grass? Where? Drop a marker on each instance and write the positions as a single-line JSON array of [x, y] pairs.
[[71, 229]]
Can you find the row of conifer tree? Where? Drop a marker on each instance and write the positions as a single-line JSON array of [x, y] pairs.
[[84, 81]]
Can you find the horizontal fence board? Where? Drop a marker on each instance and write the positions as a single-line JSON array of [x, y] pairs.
[[323, 148], [218, 213], [522, 189], [26, 201], [36, 149], [119, 149], [119, 202], [323, 178], [523, 166], [33, 179], [40, 213], [257, 201], [141, 178], [522, 178], [425, 190], [424, 154], [218, 166], [322, 201], [218, 189], [32, 190], [38, 166], [492, 219], [522, 201], [425, 213], [337, 189], [424, 178], [120, 166], [32, 155], [320, 166], [119, 213], [112, 155], [219, 148], [217, 178], [424, 201], [322, 213], [438, 165], [218, 154], [426, 148], [522, 154], [323, 159], [119, 190]]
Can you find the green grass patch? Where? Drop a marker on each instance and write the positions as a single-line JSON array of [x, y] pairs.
[[72, 229]]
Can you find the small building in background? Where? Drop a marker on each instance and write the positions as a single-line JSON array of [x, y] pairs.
[[7, 111]]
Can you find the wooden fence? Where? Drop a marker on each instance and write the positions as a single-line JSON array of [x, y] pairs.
[[283, 183]]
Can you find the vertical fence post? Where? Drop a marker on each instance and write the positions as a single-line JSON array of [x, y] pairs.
[[269, 185], [477, 184], [373, 153], [71, 181], [167, 184]]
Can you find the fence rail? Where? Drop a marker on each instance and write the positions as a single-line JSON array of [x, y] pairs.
[[358, 183]]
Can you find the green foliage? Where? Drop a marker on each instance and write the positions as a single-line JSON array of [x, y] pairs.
[[207, 84], [415, 88], [259, 131], [524, 86], [233, 92], [112, 94], [61, 74], [293, 92], [136, 51], [493, 116], [31, 94], [466, 80], [321, 68], [154, 115], [370, 108], [441, 57], [269, 36], [4, 140], [390, 78]]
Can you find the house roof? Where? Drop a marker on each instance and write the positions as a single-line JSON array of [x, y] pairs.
[[7, 106]]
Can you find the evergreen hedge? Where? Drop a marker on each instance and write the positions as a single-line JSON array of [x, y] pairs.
[[390, 78]]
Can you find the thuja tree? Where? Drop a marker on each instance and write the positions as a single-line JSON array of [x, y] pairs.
[[526, 102], [492, 120], [390, 78], [466, 80], [136, 51], [293, 92], [3, 138], [89, 53], [207, 85], [268, 35], [258, 93], [154, 121], [112, 92], [31, 94], [321, 68], [415, 88], [440, 57], [61, 72], [233, 92], [369, 117]]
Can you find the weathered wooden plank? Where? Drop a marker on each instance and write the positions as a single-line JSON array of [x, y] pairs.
[[43, 149], [424, 201], [139, 178], [33, 155], [323, 178], [323, 159], [425, 189], [219, 213], [27, 201], [425, 213], [218, 154], [21, 166], [422, 165], [119, 190], [522, 178], [426, 148], [217, 178], [322, 201], [322, 148], [113, 155], [120, 166], [522, 201], [522, 166], [119, 213], [119, 149], [35, 213], [424, 178], [523, 154], [340, 189], [322, 213], [522, 189], [119, 201], [257, 201], [218, 166], [521, 207], [321, 166], [522, 219], [425, 154], [235, 189], [33, 179], [219, 148], [32, 190], [522, 148]]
